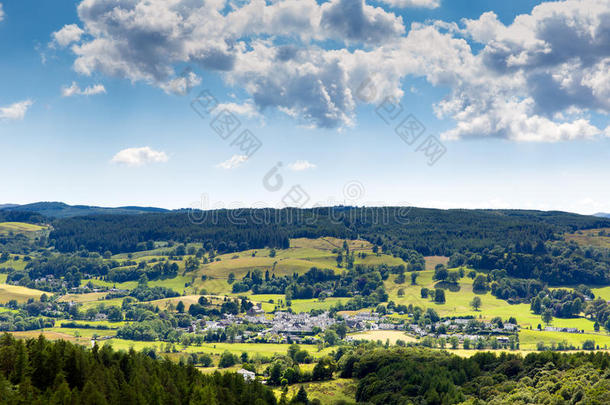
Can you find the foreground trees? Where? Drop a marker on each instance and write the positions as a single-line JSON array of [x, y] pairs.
[[37, 371], [419, 376]]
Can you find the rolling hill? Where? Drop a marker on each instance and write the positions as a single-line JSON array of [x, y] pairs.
[[63, 210]]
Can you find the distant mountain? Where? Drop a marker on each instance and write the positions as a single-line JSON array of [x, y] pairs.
[[63, 210], [602, 214]]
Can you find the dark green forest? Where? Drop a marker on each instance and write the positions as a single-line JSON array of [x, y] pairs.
[[420, 376], [428, 231], [37, 371]]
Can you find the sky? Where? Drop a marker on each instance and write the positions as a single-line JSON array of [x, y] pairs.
[[220, 103]]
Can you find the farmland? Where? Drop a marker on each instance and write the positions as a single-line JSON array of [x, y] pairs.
[[198, 315], [20, 294]]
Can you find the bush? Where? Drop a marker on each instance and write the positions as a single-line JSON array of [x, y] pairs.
[[227, 360]]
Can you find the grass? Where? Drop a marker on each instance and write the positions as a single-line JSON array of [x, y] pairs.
[[590, 237], [51, 335], [458, 303], [262, 349], [21, 294], [383, 336], [328, 392], [432, 261], [108, 324], [177, 283], [19, 227], [330, 243], [602, 292], [302, 255], [117, 302], [14, 264], [309, 304], [528, 339], [83, 332], [83, 297]]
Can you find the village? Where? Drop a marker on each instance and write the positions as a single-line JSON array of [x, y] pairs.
[[288, 327]]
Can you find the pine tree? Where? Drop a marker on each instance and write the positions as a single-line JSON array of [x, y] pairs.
[[301, 397]]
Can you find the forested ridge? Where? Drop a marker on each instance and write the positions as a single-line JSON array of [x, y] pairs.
[[428, 231], [37, 371], [420, 376]]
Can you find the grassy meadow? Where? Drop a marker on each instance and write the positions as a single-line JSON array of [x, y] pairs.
[[300, 257], [21, 294]]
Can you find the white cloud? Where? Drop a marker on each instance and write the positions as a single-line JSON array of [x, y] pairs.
[[144, 41], [16, 111], [536, 78], [182, 84], [247, 109], [74, 90], [301, 165], [67, 35], [354, 20], [234, 162], [1, 13], [413, 3], [139, 156]]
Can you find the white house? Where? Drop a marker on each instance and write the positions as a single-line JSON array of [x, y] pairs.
[[248, 375]]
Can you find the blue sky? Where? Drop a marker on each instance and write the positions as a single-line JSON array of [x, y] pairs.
[[95, 102]]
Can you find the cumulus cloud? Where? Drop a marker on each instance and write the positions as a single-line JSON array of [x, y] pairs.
[[139, 156], [247, 109], [75, 90], [413, 3], [67, 35], [143, 41], [232, 163], [1, 13], [536, 78], [16, 111], [181, 84], [301, 165], [354, 20]]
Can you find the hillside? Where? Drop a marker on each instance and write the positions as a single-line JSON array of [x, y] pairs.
[[428, 231], [62, 210]]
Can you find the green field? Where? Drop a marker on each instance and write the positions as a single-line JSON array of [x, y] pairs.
[[177, 283], [262, 349], [383, 336], [458, 303], [602, 292], [529, 338], [13, 264], [21, 294], [302, 255], [19, 227], [591, 237], [83, 332], [328, 392]]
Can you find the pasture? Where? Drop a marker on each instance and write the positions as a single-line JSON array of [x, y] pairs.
[[328, 392], [7, 228], [383, 336], [528, 339], [458, 303], [21, 294], [591, 237], [302, 255]]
